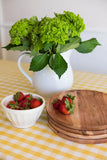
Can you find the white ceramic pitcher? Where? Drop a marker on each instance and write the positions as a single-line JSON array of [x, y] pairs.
[[46, 82]]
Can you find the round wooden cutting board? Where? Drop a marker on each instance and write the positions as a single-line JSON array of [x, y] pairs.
[[88, 123]]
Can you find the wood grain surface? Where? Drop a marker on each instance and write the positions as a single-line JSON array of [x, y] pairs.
[[76, 135], [79, 140], [77, 131], [90, 111], [89, 120]]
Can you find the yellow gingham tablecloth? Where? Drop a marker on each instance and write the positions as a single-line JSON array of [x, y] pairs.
[[39, 142]]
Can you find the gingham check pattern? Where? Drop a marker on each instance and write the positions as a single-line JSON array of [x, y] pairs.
[[39, 142]]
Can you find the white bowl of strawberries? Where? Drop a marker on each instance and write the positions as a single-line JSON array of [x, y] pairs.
[[23, 109]]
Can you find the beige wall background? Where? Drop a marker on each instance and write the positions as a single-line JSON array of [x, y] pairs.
[[94, 13]]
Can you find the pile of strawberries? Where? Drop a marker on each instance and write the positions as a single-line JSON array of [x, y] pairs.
[[23, 102], [65, 105]]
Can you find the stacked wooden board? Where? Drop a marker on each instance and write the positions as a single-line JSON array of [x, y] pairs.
[[88, 123]]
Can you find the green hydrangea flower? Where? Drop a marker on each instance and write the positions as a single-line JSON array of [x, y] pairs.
[[53, 30], [21, 30], [50, 37], [36, 41], [75, 22]]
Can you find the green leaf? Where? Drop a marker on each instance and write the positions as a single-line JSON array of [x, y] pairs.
[[15, 47], [39, 62], [87, 46], [26, 43], [9, 46], [33, 53], [72, 108], [59, 65], [67, 104], [47, 46], [51, 61], [71, 44], [20, 48], [24, 46]]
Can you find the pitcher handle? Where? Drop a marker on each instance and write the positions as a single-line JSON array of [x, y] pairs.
[[20, 67]]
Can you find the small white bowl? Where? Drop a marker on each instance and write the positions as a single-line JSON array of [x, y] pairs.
[[22, 118]]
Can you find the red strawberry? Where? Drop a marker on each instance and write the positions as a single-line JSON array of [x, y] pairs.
[[24, 104], [66, 107], [18, 96], [35, 103], [56, 103], [9, 104], [28, 96], [13, 105], [63, 109], [69, 97]]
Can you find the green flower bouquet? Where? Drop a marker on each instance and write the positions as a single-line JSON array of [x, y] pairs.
[[48, 37]]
